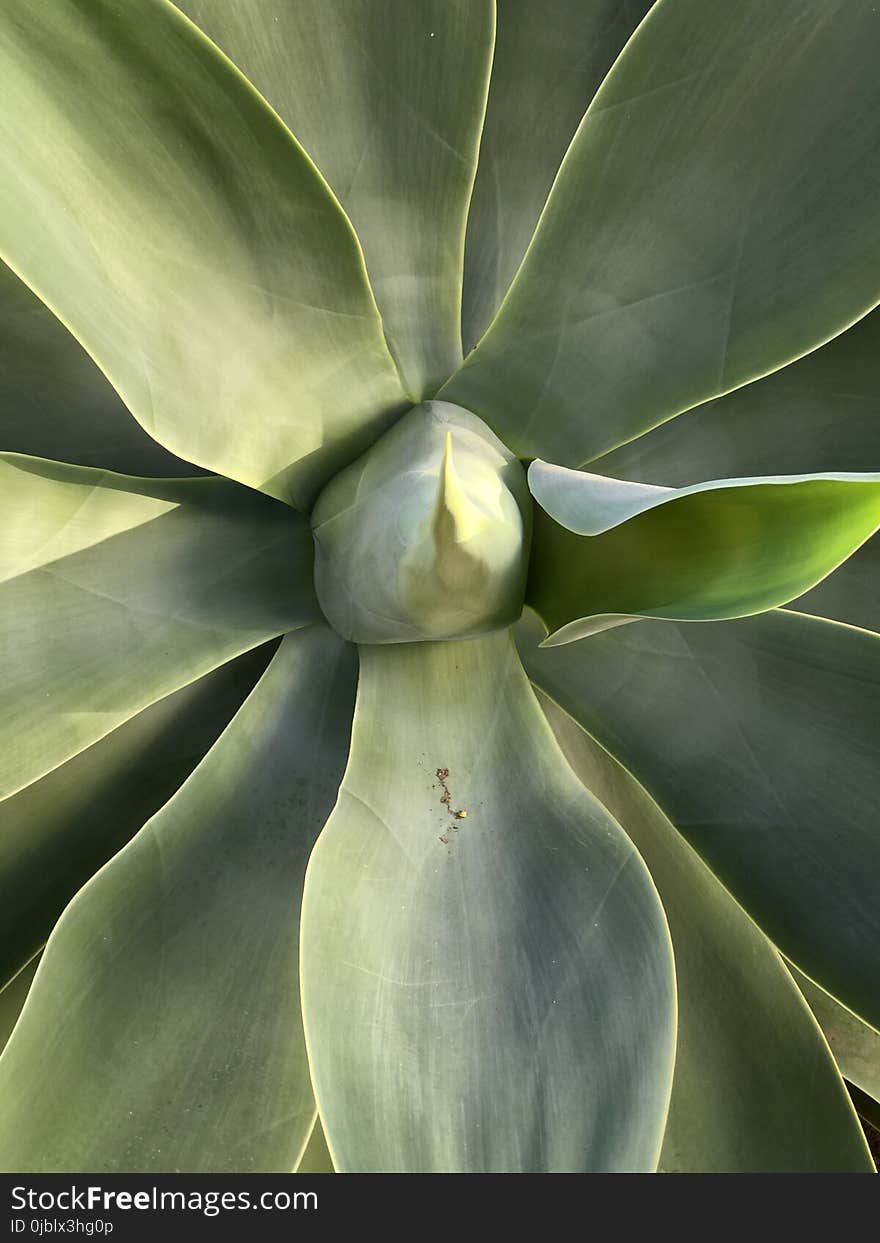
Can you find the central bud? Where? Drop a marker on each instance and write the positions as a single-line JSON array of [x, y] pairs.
[[426, 535]]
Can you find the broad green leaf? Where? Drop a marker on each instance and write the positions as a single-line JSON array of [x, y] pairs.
[[754, 1088], [388, 99], [55, 403], [606, 551], [56, 833], [546, 69], [164, 213], [316, 1158], [165, 1012], [114, 592], [817, 415], [713, 219], [486, 969], [13, 997], [759, 740], [851, 594], [855, 1045]]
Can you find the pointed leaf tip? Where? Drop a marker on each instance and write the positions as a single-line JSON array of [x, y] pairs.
[[609, 551]]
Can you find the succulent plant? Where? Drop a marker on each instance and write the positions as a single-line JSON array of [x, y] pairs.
[[441, 705]]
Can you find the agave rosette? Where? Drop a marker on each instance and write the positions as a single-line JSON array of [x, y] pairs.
[[333, 334]]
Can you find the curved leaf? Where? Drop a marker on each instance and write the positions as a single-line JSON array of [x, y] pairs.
[[388, 99], [486, 970], [13, 997], [754, 1088], [165, 1012], [713, 219], [817, 415], [606, 551], [164, 213], [544, 74], [316, 1158], [114, 592], [758, 738], [55, 403], [855, 1045], [851, 594], [56, 833]]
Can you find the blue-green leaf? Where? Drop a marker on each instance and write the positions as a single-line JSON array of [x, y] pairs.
[[486, 969], [713, 219], [754, 1087], [115, 592], [57, 832], [55, 403], [546, 69], [758, 738], [817, 415], [388, 99], [164, 1016]]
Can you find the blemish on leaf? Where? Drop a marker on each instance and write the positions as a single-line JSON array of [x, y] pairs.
[[460, 813]]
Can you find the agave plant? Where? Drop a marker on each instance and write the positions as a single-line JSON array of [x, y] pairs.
[[389, 387]]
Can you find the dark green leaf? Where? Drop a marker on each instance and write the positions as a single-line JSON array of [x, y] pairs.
[[754, 1087], [759, 740], [855, 1044], [817, 415], [55, 403], [13, 997]]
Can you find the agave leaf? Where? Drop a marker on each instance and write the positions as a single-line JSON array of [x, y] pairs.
[[316, 1158], [606, 551], [816, 415], [758, 738], [165, 1012], [713, 219], [13, 997], [55, 403], [754, 1087], [851, 594], [855, 1044], [486, 970], [114, 592], [56, 833], [388, 99], [171, 221], [544, 74], [830, 398], [867, 1109]]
